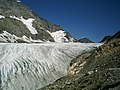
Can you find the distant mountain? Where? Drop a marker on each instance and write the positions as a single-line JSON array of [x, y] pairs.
[[97, 69], [85, 40], [20, 24]]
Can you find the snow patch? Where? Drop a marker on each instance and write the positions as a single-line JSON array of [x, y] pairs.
[[35, 41], [18, 1], [71, 39], [90, 72], [30, 40], [7, 37], [82, 64], [2, 16], [27, 22], [25, 38], [59, 36]]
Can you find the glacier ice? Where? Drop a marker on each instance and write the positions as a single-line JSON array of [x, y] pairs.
[[32, 66]]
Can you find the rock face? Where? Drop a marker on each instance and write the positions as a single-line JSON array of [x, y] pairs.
[[98, 69], [85, 40], [106, 38], [114, 38], [19, 24]]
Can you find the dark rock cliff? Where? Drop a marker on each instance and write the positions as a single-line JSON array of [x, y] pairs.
[[105, 38]]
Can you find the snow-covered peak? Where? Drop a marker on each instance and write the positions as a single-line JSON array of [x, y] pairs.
[[27, 22], [2, 16]]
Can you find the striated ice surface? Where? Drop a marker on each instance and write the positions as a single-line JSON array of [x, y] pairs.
[[32, 66]]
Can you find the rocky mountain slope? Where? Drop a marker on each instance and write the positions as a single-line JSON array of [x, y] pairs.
[[20, 24], [105, 38], [108, 38], [115, 37], [98, 69]]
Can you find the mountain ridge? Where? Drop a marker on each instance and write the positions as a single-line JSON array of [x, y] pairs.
[[18, 20]]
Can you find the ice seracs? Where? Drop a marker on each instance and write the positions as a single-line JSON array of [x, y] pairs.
[[28, 23]]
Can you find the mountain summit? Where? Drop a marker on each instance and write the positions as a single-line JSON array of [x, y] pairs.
[[20, 24], [85, 40]]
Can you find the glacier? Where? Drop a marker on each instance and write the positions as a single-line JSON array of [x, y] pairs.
[[31, 66]]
